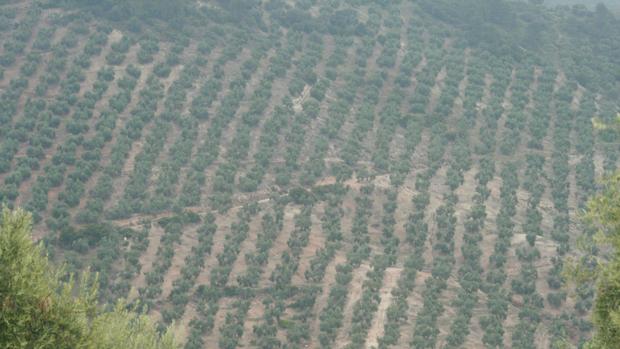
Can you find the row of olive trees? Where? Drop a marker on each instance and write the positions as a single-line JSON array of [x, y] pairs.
[[78, 113], [226, 174]]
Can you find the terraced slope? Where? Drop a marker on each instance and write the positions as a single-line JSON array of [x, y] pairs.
[[386, 187]]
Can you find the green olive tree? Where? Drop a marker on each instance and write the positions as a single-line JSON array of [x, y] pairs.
[[38, 309]]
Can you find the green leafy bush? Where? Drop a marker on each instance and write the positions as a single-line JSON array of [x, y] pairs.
[[39, 310]]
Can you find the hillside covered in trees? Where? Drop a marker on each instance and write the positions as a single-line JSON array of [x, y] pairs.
[[613, 5], [317, 173]]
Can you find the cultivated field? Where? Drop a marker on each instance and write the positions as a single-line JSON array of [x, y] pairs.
[[302, 190]]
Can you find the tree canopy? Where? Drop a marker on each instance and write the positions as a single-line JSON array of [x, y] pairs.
[[601, 263], [39, 309], [604, 211]]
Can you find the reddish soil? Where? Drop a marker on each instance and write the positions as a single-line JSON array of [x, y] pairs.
[[316, 241], [229, 133], [247, 246], [355, 293], [377, 328], [280, 245], [189, 239], [146, 260]]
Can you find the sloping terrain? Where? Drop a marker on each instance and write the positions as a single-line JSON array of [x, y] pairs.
[[380, 183]]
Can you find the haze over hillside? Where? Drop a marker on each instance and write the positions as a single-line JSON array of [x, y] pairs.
[[612, 4], [316, 173]]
